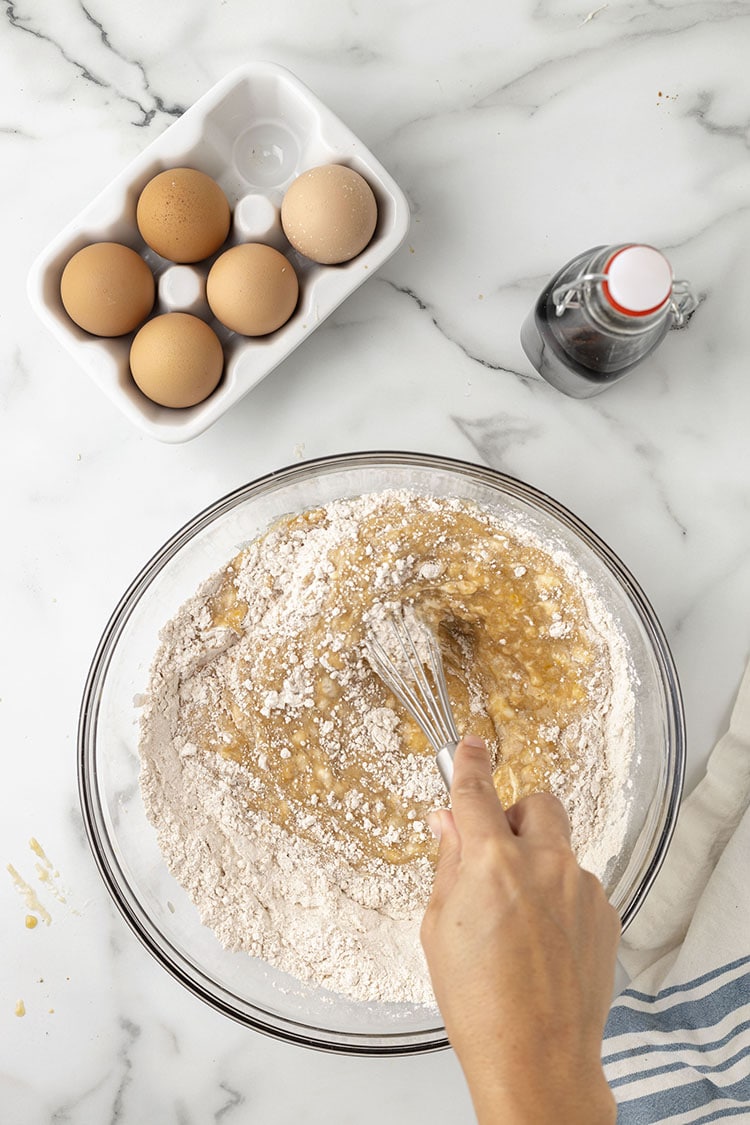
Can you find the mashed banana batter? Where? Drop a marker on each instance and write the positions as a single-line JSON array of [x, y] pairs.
[[280, 771]]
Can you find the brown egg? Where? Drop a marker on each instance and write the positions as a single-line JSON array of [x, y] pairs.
[[176, 359], [107, 289], [329, 214], [183, 215], [252, 289]]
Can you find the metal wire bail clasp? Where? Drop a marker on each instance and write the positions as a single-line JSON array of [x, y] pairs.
[[683, 303], [567, 296]]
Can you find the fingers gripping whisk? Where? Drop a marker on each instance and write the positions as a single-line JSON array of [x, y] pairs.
[[405, 654]]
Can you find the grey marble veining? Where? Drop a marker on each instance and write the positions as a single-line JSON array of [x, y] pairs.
[[520, 136]]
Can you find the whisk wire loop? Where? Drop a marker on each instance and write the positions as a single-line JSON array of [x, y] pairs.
[[424, 695], [403, 691], [442, 688]]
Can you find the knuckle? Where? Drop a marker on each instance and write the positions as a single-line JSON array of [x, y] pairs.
[[553, 807], [594, 886], [557, 869], [490, 855], [560, 862], [545, 797], [472, 786]]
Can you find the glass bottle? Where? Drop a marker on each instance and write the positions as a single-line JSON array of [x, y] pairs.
[[601, 314]]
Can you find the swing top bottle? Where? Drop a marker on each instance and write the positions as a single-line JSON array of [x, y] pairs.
[[601, 315]]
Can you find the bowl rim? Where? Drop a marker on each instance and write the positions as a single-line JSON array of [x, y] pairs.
[[376, 1044]]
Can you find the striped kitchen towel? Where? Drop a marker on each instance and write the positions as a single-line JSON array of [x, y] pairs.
[[677, 1042]]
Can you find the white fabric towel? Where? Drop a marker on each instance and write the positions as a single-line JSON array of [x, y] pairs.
[[677, 1043]]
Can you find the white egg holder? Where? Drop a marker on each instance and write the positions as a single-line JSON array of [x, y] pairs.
[[254, 132]]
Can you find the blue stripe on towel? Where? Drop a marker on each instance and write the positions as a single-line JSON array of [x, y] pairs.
[[659, 1106], [704, 978], [697, 1015], [653, 1071], [721, 1115], [690, 1079]]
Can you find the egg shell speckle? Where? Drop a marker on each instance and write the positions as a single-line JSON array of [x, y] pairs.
[[183, 215], [329, 214]]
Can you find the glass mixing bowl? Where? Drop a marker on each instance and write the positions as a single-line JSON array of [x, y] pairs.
[[124, 843]]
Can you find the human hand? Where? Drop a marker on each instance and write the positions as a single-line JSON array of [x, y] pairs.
[[521, 946]]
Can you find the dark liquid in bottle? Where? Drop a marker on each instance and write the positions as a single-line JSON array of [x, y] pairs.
[[577, 357]]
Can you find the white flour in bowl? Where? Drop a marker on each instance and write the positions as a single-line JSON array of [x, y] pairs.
[[288, 789]]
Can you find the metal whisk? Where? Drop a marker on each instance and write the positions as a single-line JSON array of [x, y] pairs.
[[425, 696]]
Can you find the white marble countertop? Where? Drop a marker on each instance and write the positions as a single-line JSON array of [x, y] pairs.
[[521, 135]]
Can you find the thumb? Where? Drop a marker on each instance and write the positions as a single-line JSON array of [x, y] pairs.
[[449, 852]]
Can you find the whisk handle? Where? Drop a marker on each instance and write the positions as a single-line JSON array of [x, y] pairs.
[[445, 763]]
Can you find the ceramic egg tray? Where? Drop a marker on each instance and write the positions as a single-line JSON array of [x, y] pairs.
[[254, 133]]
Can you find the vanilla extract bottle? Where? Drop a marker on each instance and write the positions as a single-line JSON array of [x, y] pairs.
[[601, 315]]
